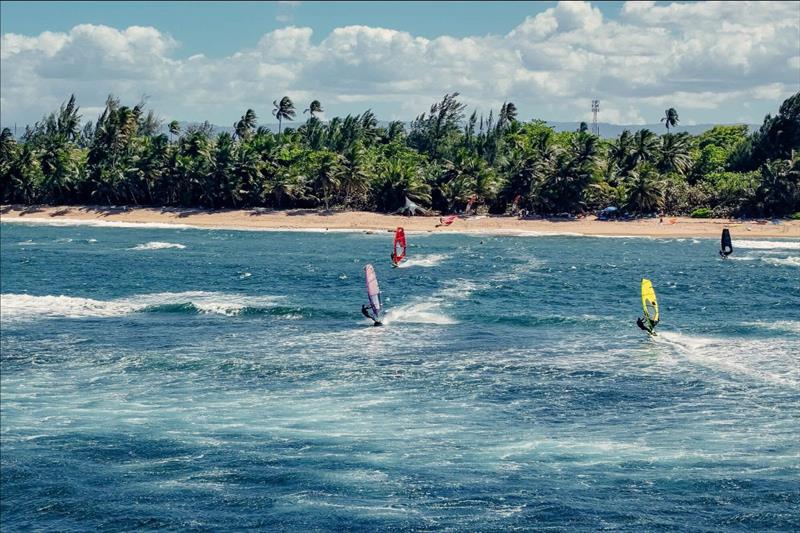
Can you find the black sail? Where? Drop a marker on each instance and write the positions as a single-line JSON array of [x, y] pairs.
[[726, 248]]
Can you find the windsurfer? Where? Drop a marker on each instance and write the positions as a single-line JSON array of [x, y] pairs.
[[651, 325], [365, 311]]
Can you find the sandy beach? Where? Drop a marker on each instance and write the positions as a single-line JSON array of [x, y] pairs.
[[310, 219]]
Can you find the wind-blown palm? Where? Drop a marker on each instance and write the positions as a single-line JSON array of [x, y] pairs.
[[174, 128], [780, 186], [508, 114], [283, 110], [313, 108], [670, 118], [675, 156], [399, 178], [244, 128], [328, 175], [644, 191], [643, 147]]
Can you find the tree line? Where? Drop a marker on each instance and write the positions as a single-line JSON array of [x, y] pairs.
[[442, 160]]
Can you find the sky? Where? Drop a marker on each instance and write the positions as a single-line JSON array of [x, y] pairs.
[[715, 62]]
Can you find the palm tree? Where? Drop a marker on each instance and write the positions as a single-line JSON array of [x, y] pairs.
[[355, 176], [780, 186], [583, 128], [400, 178], [644, 190], [7, 143], [174, 129], [670, 118], [621, 148], [69, 121], [244, 128], [314, 107], [508, 114], [675, 156], [327, 177], [283, 110], [643, 148]]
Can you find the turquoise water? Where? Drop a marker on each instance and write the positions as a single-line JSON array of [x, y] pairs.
[[210, 379]]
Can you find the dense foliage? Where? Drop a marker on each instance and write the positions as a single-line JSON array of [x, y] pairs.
[[441, 161]]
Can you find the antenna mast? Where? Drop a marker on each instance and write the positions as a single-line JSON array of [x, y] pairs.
[[595, 109]]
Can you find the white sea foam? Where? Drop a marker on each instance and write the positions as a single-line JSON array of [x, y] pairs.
[[778, 325], [431, 309], [793, 261], [23, 307], [745, 357], [163, 225], [92, 222], [767, 245], [519, 271], [158, 245], [421, 313], [426, 261]]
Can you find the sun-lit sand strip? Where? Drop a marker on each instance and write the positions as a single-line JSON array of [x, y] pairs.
[[310, 219]]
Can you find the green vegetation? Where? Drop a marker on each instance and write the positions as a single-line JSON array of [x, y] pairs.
[[129, 157]]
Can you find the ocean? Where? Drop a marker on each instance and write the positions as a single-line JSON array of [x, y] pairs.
[[196, 380]]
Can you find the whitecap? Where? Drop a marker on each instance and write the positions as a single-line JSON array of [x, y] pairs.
[[157, 245], [739, 358], [23, 307], [792, 326], [793, 261], [767, 245], [425, 261], [426, 312]]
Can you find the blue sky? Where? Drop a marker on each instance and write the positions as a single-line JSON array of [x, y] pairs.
[[714, 62]]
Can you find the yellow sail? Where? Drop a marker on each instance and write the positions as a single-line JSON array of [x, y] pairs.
[[649, 302]]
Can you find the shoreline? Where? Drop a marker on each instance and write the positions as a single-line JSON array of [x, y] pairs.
[[364, 221]]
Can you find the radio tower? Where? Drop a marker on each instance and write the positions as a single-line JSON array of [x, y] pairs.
[[595, 109]]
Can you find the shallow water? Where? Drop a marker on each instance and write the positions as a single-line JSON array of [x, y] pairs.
[[210, 379]]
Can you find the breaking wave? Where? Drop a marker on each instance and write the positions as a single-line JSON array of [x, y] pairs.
[[767, 245], [717, 353], [783, 261], [426, 261], [157, 245], [24, 307]]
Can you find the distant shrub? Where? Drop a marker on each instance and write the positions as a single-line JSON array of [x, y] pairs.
[[702, 212], [796, 216]]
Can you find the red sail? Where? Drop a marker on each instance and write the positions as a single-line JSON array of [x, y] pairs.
[[399, 248]]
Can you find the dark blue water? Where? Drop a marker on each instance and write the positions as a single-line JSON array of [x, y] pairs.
[[231, 382]]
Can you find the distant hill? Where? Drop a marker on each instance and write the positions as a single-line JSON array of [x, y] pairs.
[[614, 130], [606, 130]]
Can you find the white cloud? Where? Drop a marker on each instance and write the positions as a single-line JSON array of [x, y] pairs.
[[705, 59], [286, 11]]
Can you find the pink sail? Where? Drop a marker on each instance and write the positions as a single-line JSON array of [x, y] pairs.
[[373, 291]]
